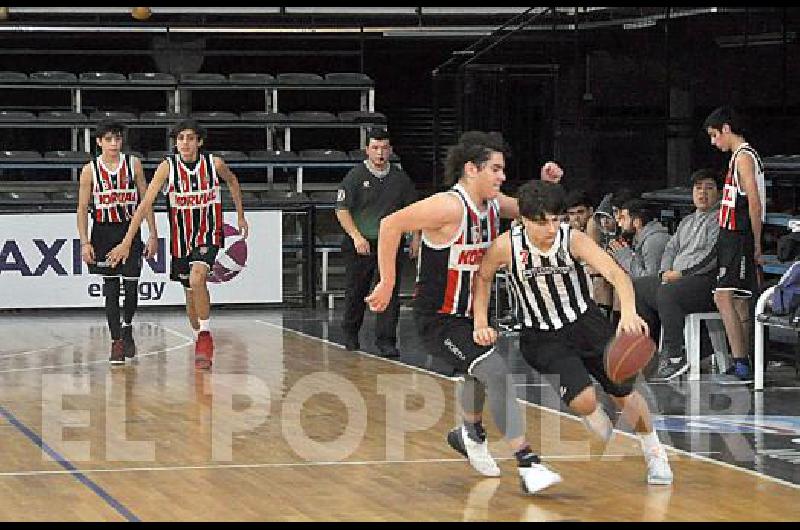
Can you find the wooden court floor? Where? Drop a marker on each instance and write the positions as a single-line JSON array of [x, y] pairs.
[[289, 427]]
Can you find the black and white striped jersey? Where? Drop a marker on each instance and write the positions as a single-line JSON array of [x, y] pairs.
[[553, 288]]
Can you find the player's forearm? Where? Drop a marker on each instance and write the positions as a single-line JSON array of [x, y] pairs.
[[236, 195], [136, 221], [151, 223], [83, 224], [388, 242], [480, 301], [624, 288]]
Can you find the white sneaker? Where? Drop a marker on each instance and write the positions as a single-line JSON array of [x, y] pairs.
[[658, 470], [537, 477], [479, 456]]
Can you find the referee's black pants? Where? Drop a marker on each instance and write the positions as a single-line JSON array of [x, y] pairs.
[[360, 272]]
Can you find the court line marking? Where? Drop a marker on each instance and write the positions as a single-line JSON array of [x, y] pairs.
[[31, 352], [564, 458], [543, 408], [189, 341], [69, 468]]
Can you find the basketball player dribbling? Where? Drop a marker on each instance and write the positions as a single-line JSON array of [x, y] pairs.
[[457, 226], [190, 178], [111, 185], [564, 333]]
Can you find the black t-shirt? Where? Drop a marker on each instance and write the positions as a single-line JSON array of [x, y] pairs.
[[369, 198]]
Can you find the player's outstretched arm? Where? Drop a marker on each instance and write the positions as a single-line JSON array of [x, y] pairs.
[[430, 214], [121, 251], [585, 249]]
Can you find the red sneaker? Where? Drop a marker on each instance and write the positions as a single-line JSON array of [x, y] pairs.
[[117, 352], [203, 350]]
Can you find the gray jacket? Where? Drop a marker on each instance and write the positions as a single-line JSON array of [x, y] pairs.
[[644, 258], [692, 250]]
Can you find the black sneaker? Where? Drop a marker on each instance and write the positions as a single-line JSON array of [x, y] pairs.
[[669, 369], [129, 345], [389, 351], [351, 343]]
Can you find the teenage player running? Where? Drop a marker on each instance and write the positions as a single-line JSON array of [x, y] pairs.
[[190, 179]]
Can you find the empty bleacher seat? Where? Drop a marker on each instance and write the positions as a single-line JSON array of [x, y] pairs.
[[298, 78], [324, 155], [347, 78], [215, 116], [53, 76], [62, 116], [231, 156], [36, 198], [16, 115], [312, 117], [137, 154], [19, 156], [67, 156], [102, 77], [273, 156], [362, 117], [120, 116], [161, 116], [152, 78], [250, 79], [13, 77], [204, 79], [264, 117]]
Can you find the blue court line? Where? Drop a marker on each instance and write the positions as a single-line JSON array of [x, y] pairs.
[[66, 464]]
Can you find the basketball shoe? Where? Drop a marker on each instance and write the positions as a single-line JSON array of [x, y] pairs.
[[536, 477], [117, 352], [477, 453], [658, 470], [128, 342], [203, 350]]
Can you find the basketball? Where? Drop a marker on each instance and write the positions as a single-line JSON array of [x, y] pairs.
[[626, 355], [232, 259], [141, 13]]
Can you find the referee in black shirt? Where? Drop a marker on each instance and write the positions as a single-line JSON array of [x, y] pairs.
[[368, 193]]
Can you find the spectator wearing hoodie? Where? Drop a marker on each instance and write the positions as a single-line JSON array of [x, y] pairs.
[[643, 240]]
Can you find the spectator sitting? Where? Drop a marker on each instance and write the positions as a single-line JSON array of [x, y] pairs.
[[686, 276], [648, 237]]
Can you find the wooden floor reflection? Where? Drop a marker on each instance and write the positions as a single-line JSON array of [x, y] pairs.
[[291, 428]]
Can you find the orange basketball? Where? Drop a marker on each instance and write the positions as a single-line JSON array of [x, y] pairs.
[[626, 355], [141, 13]]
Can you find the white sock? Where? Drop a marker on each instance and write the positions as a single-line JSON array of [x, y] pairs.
[[195, 332], [599, 424], [650, 442], [204, 325]]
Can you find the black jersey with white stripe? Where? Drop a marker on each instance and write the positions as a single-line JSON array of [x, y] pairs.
[[553, 288], [445, 272]]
